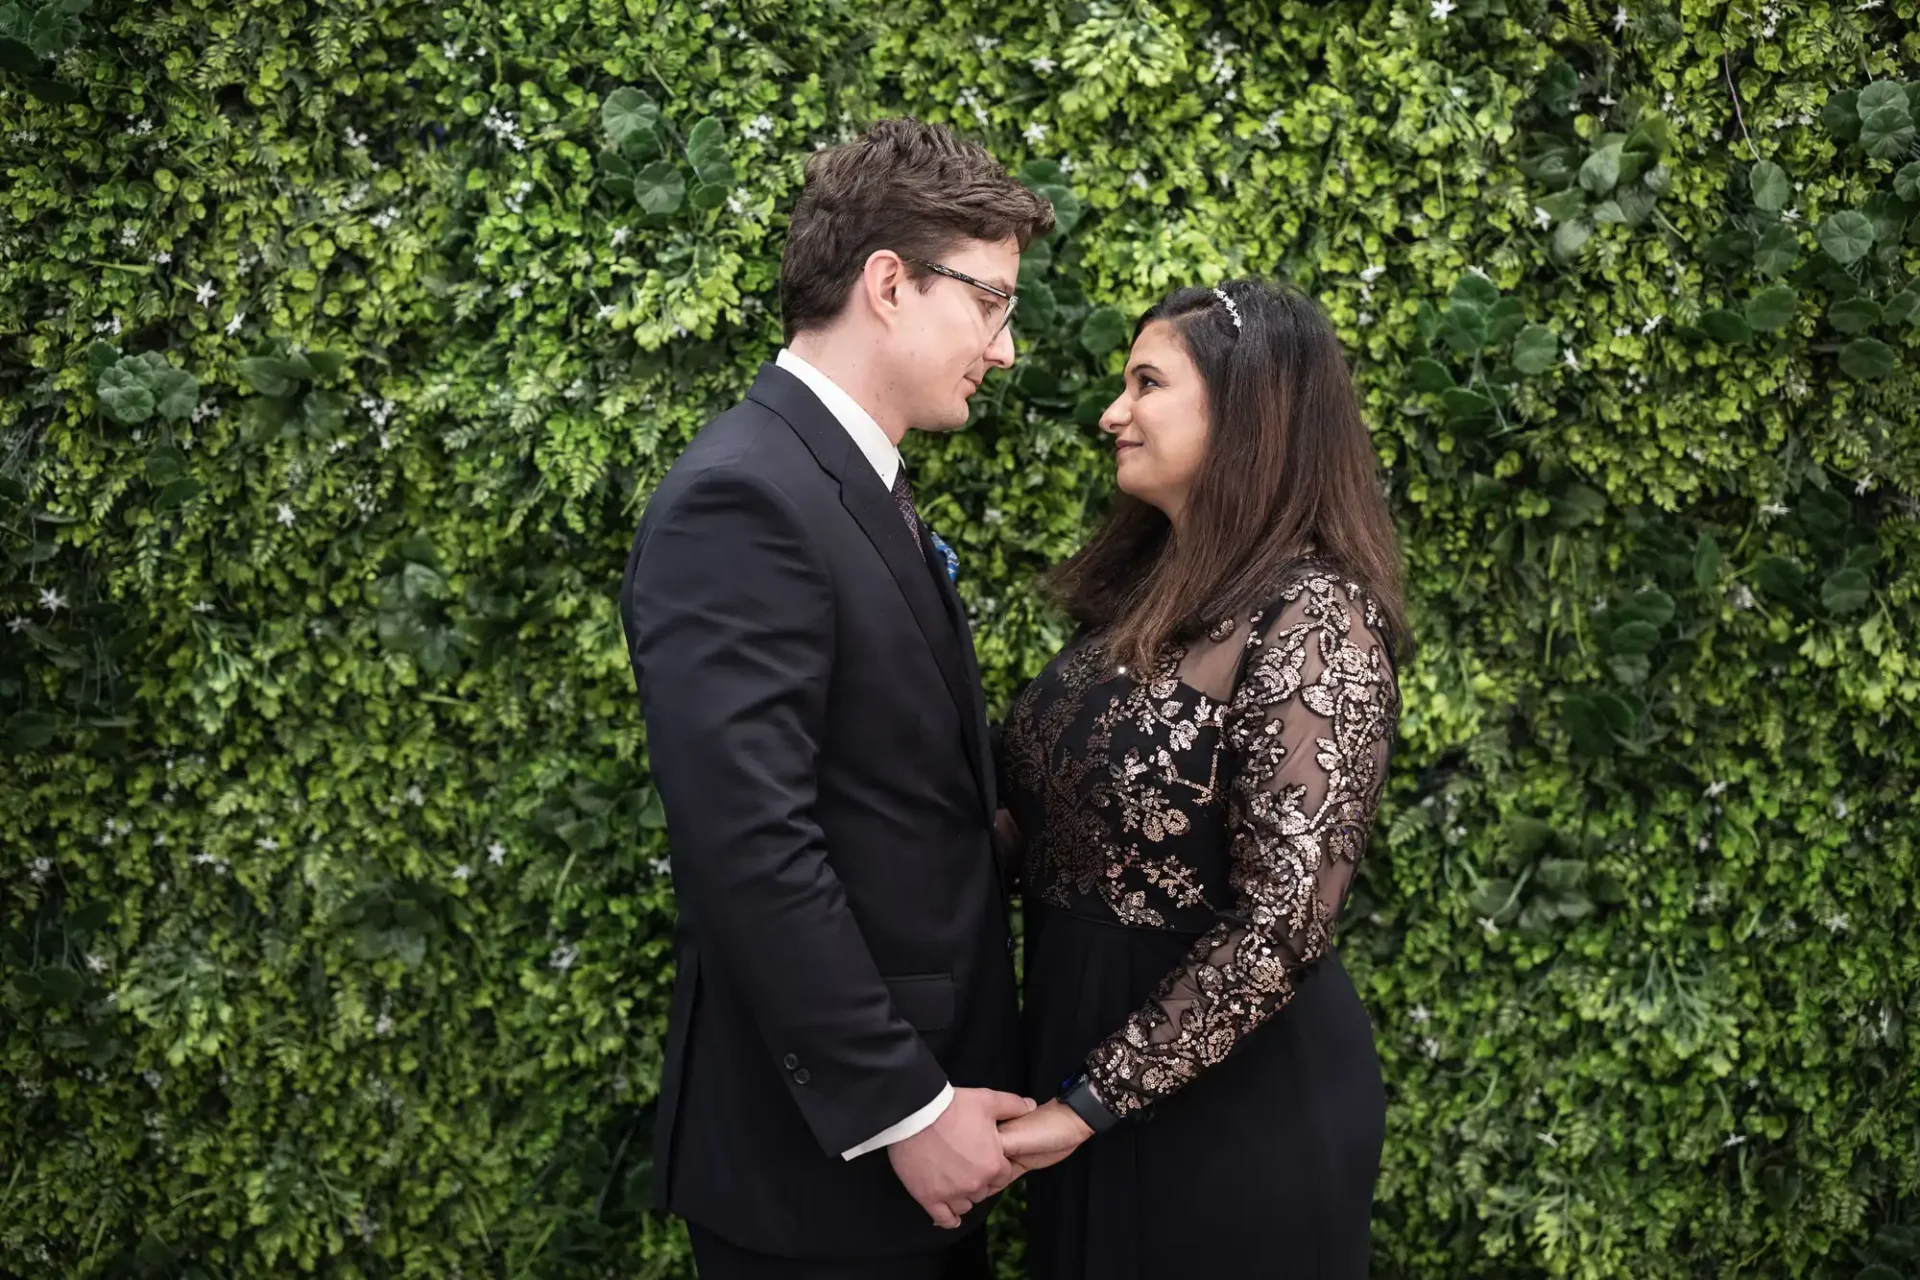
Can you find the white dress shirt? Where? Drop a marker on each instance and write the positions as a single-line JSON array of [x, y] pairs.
[[885, 458]]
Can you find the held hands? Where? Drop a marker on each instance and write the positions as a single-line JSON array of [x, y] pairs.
[[1042, 1137], [957, 1161]]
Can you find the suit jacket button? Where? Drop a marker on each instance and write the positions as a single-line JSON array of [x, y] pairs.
[[790, 1061], [802, 1076]]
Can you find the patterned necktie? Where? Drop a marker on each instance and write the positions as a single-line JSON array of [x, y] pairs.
[[903, 498]]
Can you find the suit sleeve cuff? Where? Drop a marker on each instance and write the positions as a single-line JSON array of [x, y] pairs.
[[906, 1128]]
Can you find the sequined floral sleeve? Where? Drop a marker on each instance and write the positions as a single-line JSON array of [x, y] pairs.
[[1308, 733]]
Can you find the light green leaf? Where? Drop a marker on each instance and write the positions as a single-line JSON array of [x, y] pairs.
[[1535, 350], [1104, 329], [1772, 308], [1771, 187], [1601, 170], [661, 187]]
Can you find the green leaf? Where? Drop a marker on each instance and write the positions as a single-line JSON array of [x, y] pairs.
[[1535, 350], [707, 195], [1104, 329], [1568, 238], [326, 364], [1706, 560], [125, 396], [707, 152], [29, 730], [1883, 95], [1866, 358], [1506, 318], [1846, 236], [1846, 591], [1777, 250], [1770, 185], [269, 376], [1476, 289], [1428, 374], [628, 113], [1906, 183], [1778, 576], [1560, 88], [177, 493], [660, 187], [1464, 406], [176, 392], [1634, 637], [1841, 115], [1463, 326], [1772, 308], [164, 464], [1902, 306], [1601, 170], [1728, 328], [1887, 134], [1854, 315], [17, 56]]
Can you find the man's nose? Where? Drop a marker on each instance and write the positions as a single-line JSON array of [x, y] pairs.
[[1000, 351]]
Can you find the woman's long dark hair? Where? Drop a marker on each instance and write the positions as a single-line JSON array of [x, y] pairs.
[[1289, 471]]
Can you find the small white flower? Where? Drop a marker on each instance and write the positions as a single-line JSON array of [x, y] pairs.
[[1035, 133], [1734, 1141], [515, 291], [462, 872], [233, 325], [1541, 218], [1139, 179], [266, 843], [355, 138], [1042, 64], [285, 515], [162, 258], [51, 600], [383, 1025], [1487, 924], [1419, 1013], [563, 956], [1371, 273], [496, 853], [1772, 509], [415, 796], [1622, 330], [206, 293], [1836, 923], [1548, 1138], [1840, 809], [1866, 483], [1652, 322], [1364, 318], [620, 235], [37, 870], [1620, 18], [1715, 788], [605, 312], [17, 623], [152, 1077], [1607, 100], [1430, 1046], [95, 963], [1441, 9], [1570, 360], [1741, 596], [1791, 215]]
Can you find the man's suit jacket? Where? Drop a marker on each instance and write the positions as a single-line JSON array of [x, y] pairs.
[[817, 734]]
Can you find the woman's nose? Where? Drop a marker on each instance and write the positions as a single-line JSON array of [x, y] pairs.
[[1115, 419]]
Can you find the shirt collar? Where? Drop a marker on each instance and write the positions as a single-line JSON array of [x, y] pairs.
[[859, 424]]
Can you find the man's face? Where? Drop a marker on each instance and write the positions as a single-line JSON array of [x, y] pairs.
[[951, 334]]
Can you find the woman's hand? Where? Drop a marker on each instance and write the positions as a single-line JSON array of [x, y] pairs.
[[1046, 1135], [1008, 847]]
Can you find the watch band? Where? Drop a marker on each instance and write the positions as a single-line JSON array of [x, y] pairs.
[[1080, 1096]]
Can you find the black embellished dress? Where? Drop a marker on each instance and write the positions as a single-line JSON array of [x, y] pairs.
[[1189, 834]]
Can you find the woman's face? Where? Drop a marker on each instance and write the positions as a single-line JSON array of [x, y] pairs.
[[1159, 422]]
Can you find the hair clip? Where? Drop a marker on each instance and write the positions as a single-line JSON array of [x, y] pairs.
[[1232, 310]]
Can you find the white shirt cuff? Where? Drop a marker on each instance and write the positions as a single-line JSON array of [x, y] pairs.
[[906, 1128]]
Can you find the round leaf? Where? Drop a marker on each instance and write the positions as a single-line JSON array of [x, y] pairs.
[[1846, 236], [1535, 350], [661, 187], [1846, 591], [1464, 326], [1772, 308], [1776, 251], [1883, 95], [1706, 560], [627, 114], [1841, 115], [1771, 188], [1428, 374], [1906, 183], [1729, 328], [1104, 329], [1854, 315], [124, 395], [1568, 238], [1866, 358], [1601, 171], [707, 195]]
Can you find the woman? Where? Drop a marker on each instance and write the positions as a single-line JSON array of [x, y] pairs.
[[1192, 781]]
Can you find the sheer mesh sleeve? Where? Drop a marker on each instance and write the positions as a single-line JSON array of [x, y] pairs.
[[1308, 734]]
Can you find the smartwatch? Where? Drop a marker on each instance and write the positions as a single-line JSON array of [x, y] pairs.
[[1078, 1093]]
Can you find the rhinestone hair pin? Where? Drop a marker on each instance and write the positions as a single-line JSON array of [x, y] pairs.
[[1233, 312]]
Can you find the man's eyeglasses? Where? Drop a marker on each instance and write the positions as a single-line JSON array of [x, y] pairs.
[[1005, 318]]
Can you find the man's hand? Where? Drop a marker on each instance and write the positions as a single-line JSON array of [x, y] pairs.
[[956, 1162], [1046, 1136]]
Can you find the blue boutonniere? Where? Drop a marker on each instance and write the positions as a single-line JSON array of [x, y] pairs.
[[946, 553]]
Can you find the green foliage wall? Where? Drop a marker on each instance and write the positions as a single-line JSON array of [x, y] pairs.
[[340, 341]]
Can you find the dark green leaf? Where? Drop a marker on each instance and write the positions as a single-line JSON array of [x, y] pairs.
[[1559, 88], [1477, 289], [1729, 328], [1777, 250], [1601, 170], [1778, 576], [1867, 358], [1902, 306], [1906, 183], [1104, 329], [1770, 185], [1846, 591], [101, 356], [268, 376], [1706, 560], [164, 464], [1846, 236], [708, 195], [1634, 637], [660, 187], [1568, 238], [1464, 406], [707, 152], [177, 493], [16, 55], [1535, 349], [1464, 326], [627, 113], [1854, 315], [1506, 318], [29, 730], [124, 395], [1841, 115], [1772, 308], [1428, 374]]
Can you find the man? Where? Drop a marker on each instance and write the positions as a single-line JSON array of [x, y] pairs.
[[844, 1015]]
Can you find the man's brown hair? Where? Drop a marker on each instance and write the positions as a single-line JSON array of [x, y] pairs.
[[904, 185]]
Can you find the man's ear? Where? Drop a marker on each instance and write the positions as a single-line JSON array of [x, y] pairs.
[[881, 280]]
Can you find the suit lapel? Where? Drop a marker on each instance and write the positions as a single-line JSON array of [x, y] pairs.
[[873, 509], [975, 718]]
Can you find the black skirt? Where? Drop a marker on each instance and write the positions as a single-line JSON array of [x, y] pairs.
[[1262, 1167]]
